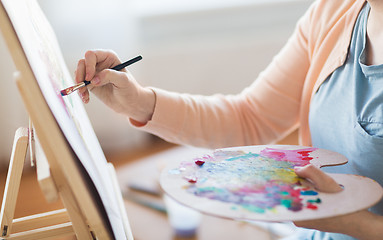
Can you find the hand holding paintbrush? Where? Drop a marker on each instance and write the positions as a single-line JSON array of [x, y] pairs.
[[119, 67], [117, 89]]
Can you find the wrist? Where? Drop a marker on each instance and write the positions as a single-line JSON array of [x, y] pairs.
[[147, 102]]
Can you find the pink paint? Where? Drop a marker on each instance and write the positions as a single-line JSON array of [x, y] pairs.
[[65, 107], [298, 157]]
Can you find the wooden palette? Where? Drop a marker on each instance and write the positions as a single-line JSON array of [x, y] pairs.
[[259, 183]]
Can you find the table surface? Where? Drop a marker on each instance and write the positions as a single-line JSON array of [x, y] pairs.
[[147, 223]]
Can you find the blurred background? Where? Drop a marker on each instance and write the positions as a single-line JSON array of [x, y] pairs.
[[199, 46]]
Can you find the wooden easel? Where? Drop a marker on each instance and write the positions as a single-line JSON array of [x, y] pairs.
[[46, 225], [84, 183]]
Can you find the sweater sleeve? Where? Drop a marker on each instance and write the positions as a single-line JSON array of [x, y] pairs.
[[262, 113]]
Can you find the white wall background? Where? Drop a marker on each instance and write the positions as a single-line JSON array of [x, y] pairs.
[[194, 46]]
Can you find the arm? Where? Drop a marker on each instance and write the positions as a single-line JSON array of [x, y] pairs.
[[362, 225], [265, 112]]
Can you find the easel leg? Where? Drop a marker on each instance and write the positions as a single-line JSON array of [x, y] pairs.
[[12, 185], [78, 222], [46, 226]]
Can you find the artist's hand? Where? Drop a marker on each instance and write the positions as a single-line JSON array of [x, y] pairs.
[[117, 89], [361, 225]]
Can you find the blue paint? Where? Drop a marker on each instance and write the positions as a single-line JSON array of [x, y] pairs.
[[309, 193]]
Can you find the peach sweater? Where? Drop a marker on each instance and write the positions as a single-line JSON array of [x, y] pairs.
[[279, 99]]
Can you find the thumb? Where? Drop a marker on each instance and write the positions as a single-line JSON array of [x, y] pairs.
[[322, 181]]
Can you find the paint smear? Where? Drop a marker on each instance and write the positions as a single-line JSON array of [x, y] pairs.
[[257, 182]]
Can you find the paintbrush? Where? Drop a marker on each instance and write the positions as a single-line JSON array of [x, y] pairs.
[[119, 67]]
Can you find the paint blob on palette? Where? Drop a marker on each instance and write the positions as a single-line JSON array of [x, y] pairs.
[[256, 183]]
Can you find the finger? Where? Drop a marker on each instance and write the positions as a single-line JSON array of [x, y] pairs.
[[90, 65], [320, 179], [85, 96], [98, 60], [79, 77], [80, 71], [108, 76]]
